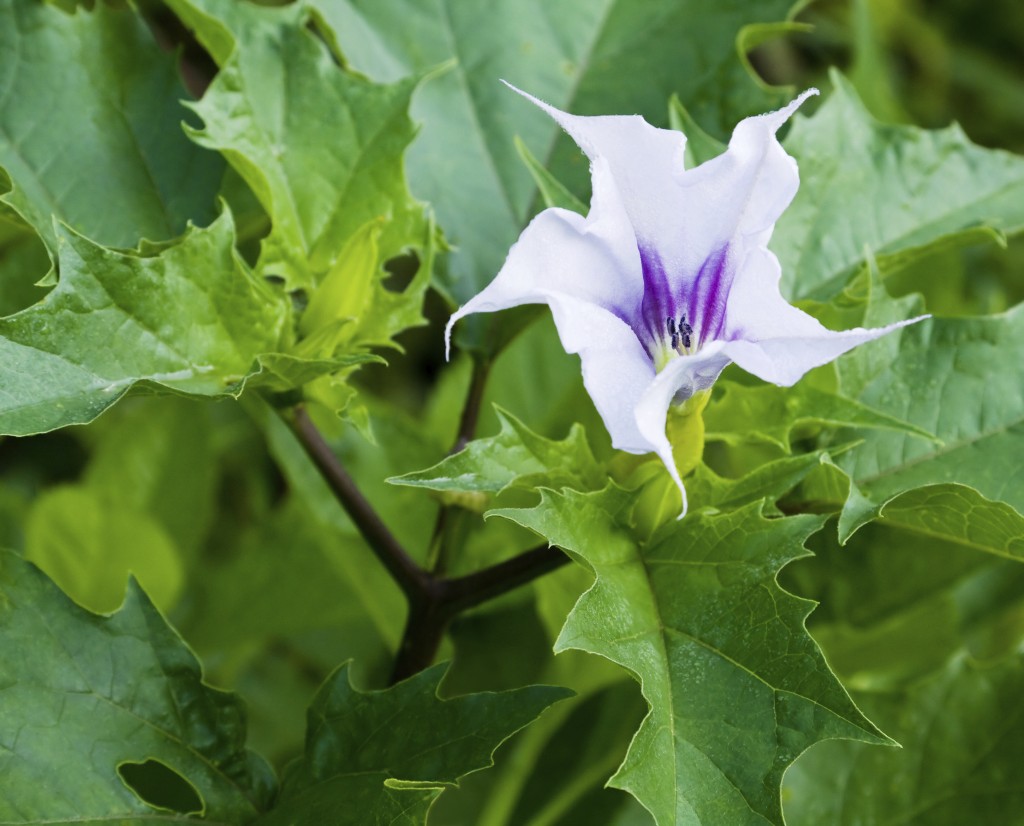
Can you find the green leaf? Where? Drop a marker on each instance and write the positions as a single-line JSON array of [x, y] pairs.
[[893, 190], [320, 147], [515, 457], [897, 604], [106, 154], [700, 146], [959, 514], [86, 695], [154, 457], [696, 615], [553, 192], [769, 414], [962, 733], [189, 320], [960, 379], [89, 546], [610, 57], [384, 756]]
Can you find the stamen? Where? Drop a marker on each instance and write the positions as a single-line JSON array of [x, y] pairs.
[[673, 333]]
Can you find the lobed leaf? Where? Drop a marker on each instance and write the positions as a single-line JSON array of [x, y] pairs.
[[87, 695], [893, 190], [737, 688], [191, 320], [515, 457], [769, 414], [320, 147], [384, 756]]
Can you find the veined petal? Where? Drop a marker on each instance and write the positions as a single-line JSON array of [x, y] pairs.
[[680, 379], [646, 163], [616, 369], [770, 338], [594, 259]]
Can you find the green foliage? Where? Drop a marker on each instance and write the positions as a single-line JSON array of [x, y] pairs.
[[962, 723], [383, 757], [780, 410], [106, 154], [580, 56], [715, 644], [514, 457], [321, 147], [190, 319], [923, 188], [319, 125], [104, 691]]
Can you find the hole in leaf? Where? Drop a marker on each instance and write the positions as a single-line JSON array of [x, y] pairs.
[[400, 271], [161, 787]]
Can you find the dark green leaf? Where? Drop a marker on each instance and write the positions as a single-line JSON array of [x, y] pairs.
[[384, 756], [106, 153], [892, 190], [86, 695], [962, 733]]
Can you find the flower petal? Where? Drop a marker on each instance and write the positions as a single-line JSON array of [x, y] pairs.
[[588, 271], [680, 379], [644, 161], [593, 258], [616, 370], [770, 338]]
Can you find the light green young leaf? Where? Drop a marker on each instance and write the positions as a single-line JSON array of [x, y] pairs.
[[190, 320], [607, 57], [155, 456], [517, 457], [85, 695], [771, 480], [718, 648], [891, 189], [106, 154], [962, 732], [385, 756], [320, 147], [89, 547], [553, 192], [769, 414]]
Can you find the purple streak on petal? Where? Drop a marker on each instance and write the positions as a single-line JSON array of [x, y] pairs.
[[707, 300], [658, 304]]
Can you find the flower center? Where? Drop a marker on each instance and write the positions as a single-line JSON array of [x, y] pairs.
[[677, 339]]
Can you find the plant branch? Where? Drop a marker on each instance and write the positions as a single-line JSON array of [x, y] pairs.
[[412, 579], [474, 401], [429, 617], [434, 600], [469, 591]]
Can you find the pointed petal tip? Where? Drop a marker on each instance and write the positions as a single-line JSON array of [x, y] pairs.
[[448, 334], [780, 116]]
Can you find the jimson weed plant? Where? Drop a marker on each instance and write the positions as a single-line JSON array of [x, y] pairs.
[[270, 557]]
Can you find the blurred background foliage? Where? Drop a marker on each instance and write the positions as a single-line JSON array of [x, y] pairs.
[[247, 605]]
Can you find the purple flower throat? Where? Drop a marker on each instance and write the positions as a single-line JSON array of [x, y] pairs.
[[678, 315]]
